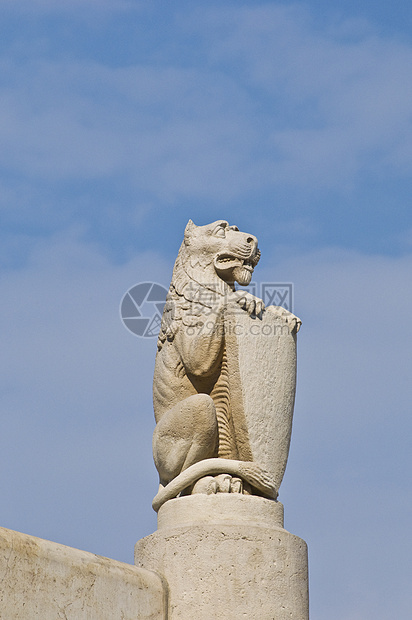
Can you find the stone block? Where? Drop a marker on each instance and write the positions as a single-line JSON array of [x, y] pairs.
[[47, 581]]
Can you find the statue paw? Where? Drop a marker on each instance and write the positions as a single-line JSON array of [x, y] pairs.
[[222, 483], [207, 486], [236, 485], [251, 304], [292, 321]]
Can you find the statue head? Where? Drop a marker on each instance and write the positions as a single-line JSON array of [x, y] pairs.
[[233, 254]]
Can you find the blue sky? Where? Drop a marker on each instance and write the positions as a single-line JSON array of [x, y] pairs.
[[121, 120]]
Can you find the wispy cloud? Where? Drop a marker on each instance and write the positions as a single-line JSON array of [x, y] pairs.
[[340, 94], [335, 107], [56, 6]]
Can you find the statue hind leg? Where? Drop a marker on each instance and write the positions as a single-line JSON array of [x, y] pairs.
[[184, 435]]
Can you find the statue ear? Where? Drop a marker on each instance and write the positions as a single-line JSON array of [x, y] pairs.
[[190, 227]]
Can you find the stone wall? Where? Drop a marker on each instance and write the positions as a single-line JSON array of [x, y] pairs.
[[47, 581]]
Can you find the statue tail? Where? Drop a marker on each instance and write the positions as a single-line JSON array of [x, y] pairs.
[[247, 470]]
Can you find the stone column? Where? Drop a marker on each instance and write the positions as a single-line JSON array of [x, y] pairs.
[[227, 556]]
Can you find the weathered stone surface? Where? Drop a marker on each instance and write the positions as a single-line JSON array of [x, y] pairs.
[[261, 357], [47, 581], [223, 397], [220, 508], [227, 557]]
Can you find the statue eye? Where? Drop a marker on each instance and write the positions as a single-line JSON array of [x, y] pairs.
[[220, 232], [234, 228]]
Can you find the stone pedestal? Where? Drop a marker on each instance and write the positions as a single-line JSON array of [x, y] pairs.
[[227, 557]]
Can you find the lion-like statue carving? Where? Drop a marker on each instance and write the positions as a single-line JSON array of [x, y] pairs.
[[194, 443]]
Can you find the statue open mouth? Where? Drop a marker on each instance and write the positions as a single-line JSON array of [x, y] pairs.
[[224, 262], [229, 261], [238, 269]]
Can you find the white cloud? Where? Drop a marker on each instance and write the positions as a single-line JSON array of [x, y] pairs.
[[70, 121], [59, 7], [341, 95], [336, 107]]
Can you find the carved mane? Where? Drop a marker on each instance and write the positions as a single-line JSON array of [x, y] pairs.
[[191, 291]]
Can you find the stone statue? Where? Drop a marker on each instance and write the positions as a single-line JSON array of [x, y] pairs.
[[225, 373]]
